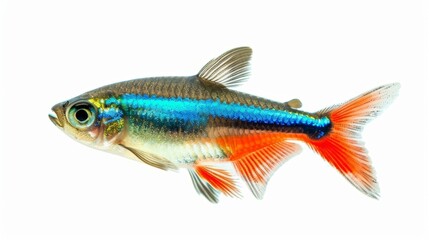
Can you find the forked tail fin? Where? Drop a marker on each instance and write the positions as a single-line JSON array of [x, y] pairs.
[[342, 146]]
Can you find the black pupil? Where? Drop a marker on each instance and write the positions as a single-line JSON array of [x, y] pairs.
[[81, 115]]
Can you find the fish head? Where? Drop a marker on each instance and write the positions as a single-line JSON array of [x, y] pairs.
[[78, 118], [93, 121]]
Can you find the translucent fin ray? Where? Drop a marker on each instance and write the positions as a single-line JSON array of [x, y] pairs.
[[228, 70]]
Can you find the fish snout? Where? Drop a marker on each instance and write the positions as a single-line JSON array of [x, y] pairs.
[[57, 115]]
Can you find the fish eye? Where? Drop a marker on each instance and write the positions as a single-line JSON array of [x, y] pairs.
[[81, 115]]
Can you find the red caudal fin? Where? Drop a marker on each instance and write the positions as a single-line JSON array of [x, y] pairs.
[[342, 146]]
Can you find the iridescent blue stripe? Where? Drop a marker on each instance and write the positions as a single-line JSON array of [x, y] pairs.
[[200, 110], [110, 115]]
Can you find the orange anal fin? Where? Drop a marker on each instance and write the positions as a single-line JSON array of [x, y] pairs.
[[257, 156], [218, 178], [257, 167]]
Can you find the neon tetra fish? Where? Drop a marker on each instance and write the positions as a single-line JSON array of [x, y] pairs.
[[200, 124]]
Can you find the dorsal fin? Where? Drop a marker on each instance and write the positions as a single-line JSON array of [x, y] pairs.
[[228, 70]]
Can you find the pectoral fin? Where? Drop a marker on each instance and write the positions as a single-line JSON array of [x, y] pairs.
[[151, 159]]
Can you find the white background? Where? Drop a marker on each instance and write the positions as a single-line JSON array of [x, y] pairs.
[[323, 52]]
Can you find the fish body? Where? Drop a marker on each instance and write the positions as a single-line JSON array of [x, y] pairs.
[[199, 123]]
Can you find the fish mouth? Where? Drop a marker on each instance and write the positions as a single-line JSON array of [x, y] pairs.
[[57, 117]]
